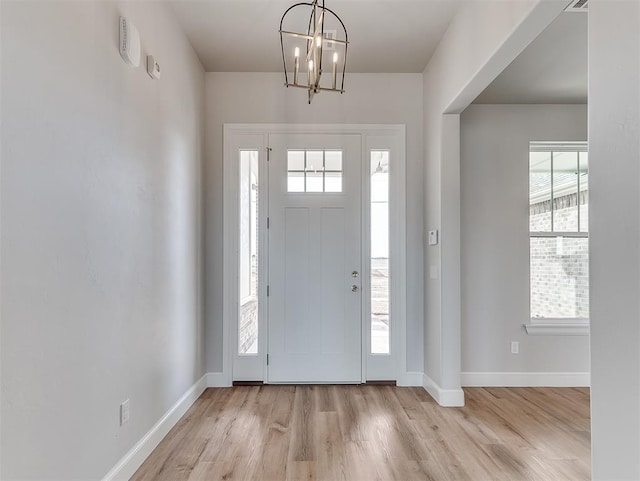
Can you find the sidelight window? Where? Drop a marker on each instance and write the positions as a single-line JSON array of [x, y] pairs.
[[379, 175], [248, 248]]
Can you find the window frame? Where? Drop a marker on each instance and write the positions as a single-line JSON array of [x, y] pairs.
[[555, 325]]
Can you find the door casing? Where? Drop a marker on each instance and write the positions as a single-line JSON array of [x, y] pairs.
[[382, 137]]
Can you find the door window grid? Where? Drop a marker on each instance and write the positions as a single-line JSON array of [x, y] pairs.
[[314, 171]]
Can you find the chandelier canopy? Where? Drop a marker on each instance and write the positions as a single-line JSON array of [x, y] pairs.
[[323, 43]]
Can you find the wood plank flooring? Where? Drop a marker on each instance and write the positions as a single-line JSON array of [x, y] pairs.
[[333, 433]]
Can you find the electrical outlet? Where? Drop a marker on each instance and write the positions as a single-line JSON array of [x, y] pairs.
[[124, 413], [515, 347]]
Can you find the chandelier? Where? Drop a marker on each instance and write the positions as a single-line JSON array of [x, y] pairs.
[[324, 42]]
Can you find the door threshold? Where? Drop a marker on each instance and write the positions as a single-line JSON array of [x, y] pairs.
[[247, 383]]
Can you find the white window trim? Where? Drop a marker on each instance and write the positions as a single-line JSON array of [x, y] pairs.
[[392, 141], [573, 146], [558, 328], [246, 140]]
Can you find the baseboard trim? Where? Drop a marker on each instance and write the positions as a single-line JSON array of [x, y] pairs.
[[217, 379], [526, 379], [444, 397], [129, 464], [411, 378]]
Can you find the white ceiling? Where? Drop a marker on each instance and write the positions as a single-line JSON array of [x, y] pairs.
[[552, 69], [386, 36]]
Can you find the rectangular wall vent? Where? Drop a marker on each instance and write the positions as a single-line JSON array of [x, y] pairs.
[[577, 6]]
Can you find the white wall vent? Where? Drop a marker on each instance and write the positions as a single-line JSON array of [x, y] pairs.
[[577, 6]]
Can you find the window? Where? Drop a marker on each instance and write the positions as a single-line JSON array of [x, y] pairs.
[[558, 234], [314, 171], [380, 252], [248, 253]]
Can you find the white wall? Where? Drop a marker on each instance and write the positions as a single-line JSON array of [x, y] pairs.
[[100, 200], [262, 98], [484, 37], [614, 191], [495, 238]]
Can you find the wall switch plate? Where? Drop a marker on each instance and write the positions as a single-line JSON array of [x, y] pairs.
[[124, 413], [433, 237], [515, 347]]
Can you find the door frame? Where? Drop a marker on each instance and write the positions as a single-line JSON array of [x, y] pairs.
[[373, 136]]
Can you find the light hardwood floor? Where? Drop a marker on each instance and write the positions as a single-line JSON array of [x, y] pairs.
[[333, 433]]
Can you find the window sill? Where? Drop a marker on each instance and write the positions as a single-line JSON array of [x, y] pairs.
[[558, 329]]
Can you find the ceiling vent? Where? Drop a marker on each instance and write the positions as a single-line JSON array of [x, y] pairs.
[[577, 6]]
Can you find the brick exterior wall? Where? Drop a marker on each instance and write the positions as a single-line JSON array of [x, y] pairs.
[[559, 267]]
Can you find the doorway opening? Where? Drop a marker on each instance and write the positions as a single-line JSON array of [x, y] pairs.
[[315, 265]]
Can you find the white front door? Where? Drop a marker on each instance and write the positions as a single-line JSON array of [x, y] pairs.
[[315, 327]]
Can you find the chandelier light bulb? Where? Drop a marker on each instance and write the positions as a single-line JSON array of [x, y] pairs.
[[318, 41], [296, 65], [311, 76], [334, 74]]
